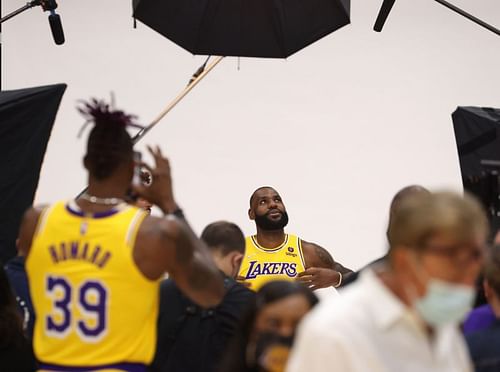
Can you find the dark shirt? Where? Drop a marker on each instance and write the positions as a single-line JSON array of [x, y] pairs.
[[191, 338], [14, 268], [484, 347], [355, 275], [17, 356]]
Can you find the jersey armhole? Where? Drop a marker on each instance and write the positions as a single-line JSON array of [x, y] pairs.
[[130, 240], [39, 228], [301, 254], [42, 220], [133, 228]]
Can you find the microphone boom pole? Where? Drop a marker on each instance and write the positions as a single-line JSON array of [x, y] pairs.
[[29, 5]]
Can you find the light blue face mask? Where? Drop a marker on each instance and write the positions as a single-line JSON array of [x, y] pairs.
[[445, 303]]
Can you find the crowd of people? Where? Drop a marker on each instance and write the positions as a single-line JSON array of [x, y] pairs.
[[100, 284]]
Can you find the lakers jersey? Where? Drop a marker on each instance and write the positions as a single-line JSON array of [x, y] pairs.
[[261, 265], [93, 306]]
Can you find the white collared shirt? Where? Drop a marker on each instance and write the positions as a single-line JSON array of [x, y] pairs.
[[368, 329]]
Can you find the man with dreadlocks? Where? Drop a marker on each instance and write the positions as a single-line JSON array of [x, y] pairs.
[[94, 263]]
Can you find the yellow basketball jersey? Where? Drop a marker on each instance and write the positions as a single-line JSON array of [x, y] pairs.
[[261, 265], [93, 306]]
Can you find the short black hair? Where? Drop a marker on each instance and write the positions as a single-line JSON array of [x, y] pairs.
[[257, 190], [224, 236], [109, 144]]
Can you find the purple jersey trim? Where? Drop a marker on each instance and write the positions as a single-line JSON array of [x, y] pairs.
[[92, 215], [125, 367]]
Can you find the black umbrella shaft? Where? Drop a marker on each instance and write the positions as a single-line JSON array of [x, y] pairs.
[[469, 16]]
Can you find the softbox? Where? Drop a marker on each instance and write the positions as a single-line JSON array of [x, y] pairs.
[[26, 120]]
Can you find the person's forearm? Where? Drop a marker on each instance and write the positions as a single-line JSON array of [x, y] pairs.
[[168, 206], [205, 281], [343, 270], [201, 280]]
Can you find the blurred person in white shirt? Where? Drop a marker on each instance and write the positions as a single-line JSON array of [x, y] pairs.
[[404, 315]]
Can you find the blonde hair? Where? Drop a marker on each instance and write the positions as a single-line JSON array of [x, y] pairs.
[[421, 216]]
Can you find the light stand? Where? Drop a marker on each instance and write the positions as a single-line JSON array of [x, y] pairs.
[[387, 6], [469, 16]]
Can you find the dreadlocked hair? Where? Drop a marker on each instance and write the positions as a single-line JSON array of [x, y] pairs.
[[109, 144]]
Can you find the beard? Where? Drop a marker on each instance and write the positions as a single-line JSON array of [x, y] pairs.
[[265, 223]]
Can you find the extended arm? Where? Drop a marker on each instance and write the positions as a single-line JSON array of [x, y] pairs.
[[321, 269], [169, 245], [194, 270]]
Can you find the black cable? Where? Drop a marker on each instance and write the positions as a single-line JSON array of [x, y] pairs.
[[199, 71]]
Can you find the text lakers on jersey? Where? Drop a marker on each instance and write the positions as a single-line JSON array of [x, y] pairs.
[[261, 265]]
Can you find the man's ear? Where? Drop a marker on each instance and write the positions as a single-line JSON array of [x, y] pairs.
[[251, 214], [488, 292], [86, 162], [407, 262], [236, 260], [398, 257]]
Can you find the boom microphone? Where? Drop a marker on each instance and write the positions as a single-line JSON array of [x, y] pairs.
[[383, 14], [56, 28]]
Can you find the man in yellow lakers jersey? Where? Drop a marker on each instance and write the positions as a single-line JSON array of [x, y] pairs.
[[272, 254], [94, 263]]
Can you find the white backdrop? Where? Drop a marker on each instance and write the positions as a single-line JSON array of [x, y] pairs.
[[337, 128]]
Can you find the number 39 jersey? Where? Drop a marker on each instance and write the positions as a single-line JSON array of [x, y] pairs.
[[93, 306]]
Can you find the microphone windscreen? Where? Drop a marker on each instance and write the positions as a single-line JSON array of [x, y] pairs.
[[383, 14], [56, 28]]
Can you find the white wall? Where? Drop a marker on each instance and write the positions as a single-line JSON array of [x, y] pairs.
[[337, 128]]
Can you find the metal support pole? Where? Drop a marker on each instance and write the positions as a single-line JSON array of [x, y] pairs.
[[469, 16], [197, 77], [29, 5], [177, 99]]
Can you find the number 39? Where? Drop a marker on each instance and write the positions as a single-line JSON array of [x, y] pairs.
[[91, 298]]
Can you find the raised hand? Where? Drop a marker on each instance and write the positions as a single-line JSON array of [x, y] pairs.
[[160, 191]]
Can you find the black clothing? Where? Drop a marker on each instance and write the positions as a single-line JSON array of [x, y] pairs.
[[354, 276], [191, 338], [17, 356], [18, 280], [484, 348]]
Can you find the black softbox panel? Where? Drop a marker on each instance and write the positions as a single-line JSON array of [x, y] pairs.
[[26, 120], [477, 131]]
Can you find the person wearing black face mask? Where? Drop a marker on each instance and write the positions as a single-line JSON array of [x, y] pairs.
[[191, 338], [272, 254], [267, 329]]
